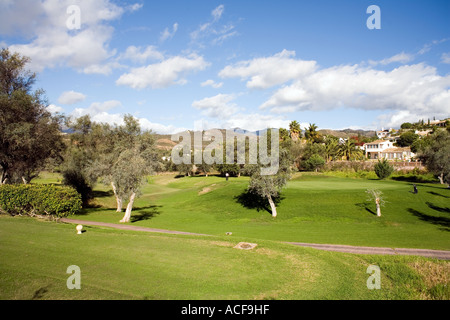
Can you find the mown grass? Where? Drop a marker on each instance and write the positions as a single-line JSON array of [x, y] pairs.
[[314, 208], [135, 265]]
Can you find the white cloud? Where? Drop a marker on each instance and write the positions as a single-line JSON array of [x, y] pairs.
[[211, 31], [212, 83], [54, 109], [219, 106], [400, 58], [164, 74], [166, 34], [52, 44], [255, 121], [159, 128], [98, 112], [97, 108], [417, 88], [71, 97], [217, 12], [141, 55], [445, 58], [226, 114], [262, 73], [134, 7]]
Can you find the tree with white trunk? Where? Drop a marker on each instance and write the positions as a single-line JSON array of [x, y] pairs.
[[269, 186], [129, 157], [377, 197]]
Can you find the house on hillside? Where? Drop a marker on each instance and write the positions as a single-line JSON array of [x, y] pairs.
[[383, 134], [380, 149], [397, 154], [439, 123]]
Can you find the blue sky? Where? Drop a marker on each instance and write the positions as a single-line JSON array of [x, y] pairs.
[[189, 64]]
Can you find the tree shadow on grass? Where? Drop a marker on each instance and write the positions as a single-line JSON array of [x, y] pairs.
[[145, 213], [251, 200], [437, 194], [102, 194], [40, 293], [366, 206], [414, 179], [93, 209], [437, 208], [440, 221]]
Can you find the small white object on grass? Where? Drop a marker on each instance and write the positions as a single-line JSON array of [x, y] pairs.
[[79, 228]]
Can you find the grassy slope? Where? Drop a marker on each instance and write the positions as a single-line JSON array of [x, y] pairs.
[[314, 208], [131, 265]]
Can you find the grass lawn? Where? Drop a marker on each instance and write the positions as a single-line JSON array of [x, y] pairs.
[[135, 265], [315, 208]]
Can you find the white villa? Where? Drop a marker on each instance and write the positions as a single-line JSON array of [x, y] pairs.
[[380, 149]]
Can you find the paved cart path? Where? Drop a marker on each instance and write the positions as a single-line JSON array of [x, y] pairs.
[[437, 254]]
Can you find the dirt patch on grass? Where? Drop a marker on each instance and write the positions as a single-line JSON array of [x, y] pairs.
[[206, 190], [436, 276]]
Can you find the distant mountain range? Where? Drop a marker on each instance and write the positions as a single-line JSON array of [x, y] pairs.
[[164, 141]]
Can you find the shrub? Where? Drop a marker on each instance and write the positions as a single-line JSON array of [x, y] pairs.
[[383, 169], [39, 200], [313, 163]]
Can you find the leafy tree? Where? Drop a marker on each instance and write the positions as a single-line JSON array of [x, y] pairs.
[[269, 186], [407, 139], [87, 143], [436, 153], [314, 163], [232, 169], [309, 150], [383, 169], [133, 157], [406, 125], [29, 134]]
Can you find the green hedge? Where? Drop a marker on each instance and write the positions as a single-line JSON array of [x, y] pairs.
[[39, 200]]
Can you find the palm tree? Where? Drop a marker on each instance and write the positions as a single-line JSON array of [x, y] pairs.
[[311, 133], [347, 148], [294, 128], [331, 147]]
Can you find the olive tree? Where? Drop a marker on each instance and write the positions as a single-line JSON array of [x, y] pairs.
[[29, 134]]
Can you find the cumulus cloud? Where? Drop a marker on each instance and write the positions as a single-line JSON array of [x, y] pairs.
[[222, 112], [219, 106], [262, 73], [417, 88], [141, 55], [212, 83], [96, 108], [52, 43], [163, 74], [255, 121], [101, 112], [71, 97], [54, 109]]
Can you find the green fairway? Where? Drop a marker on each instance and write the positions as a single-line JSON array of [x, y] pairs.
[[314, 208], [131, 265]]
